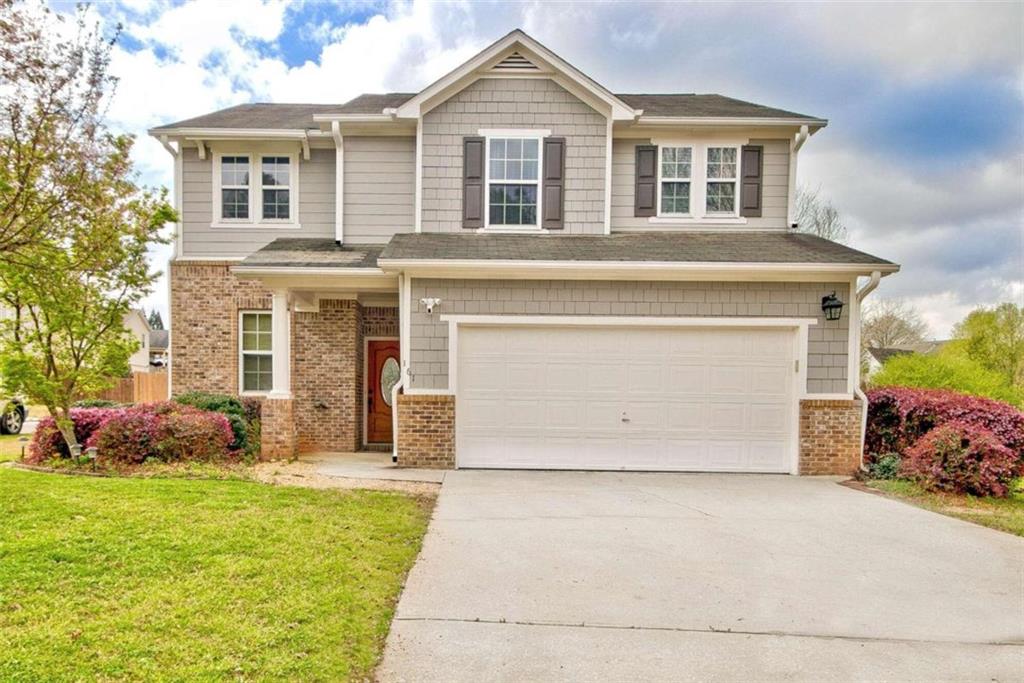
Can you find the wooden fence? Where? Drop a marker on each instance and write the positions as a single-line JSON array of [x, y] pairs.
[[141, 387]]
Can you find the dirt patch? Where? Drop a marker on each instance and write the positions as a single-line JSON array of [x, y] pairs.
[[306, 474]]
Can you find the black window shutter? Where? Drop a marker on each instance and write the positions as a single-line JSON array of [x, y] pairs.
[[473, 182], [752, 168], [553, 187], [646, 194]]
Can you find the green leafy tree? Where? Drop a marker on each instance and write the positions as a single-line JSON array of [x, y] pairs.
[[948, 369], [74, 223], [994, 338]]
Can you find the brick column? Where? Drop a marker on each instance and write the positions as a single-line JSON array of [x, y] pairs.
[[277, 429], [426, 431], [830, 436]]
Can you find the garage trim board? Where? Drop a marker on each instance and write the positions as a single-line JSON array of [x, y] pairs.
[[624, 326]]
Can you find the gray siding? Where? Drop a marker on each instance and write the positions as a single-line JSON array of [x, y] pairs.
[[428, 350], [514, 103], [316, 208], [775, 190], [380, 188]]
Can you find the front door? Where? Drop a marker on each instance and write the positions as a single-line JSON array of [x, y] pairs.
[[383, 372]]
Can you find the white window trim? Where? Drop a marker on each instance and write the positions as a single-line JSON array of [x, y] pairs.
[[521, 134], [256, 220], [699, 184], [242, 353], [735, 213], [693, 157]]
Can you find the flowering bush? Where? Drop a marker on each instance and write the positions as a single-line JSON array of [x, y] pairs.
[[48, 442], [242, 413], [898, 417], [961, 458], [169, 432]]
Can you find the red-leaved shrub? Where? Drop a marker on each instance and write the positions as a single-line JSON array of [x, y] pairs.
[[898, 417], [961, 458], [169, 432], [47, 441]]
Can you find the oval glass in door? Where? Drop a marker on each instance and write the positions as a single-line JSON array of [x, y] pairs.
[[389, 374]]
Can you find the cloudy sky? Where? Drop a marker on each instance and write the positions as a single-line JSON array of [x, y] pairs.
[[923, 155]]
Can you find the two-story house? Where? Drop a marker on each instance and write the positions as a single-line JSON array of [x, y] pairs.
[[517, 268]]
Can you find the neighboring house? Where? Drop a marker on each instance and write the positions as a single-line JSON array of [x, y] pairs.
[[877, 356], [556, 275], [136, 323], [158, 348]]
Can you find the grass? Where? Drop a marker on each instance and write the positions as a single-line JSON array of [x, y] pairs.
[[10, 446], [1004, 514], [172, 579]]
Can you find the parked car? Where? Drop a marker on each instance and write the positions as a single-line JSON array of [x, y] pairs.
[[13, 416]]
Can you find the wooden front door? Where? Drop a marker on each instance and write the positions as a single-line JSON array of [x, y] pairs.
[[383, 371]]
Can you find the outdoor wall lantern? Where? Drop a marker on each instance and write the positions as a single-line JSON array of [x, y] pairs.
[[832, 306]]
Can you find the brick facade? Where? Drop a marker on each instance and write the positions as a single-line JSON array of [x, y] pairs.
[[327, 355], [426, 431], [830, 436], [277, 429]]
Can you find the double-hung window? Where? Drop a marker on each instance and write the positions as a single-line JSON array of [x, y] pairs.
[[256, 355], [253, 189], [275, 173], [513, 181], [676, 178], [234, 188], [722, 175]]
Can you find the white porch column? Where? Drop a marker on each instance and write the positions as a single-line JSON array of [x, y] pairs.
[[281, 345]]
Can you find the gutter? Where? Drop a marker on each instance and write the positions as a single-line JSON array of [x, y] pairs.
[[862, 293]]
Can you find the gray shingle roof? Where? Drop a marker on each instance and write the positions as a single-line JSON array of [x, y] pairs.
[[669, 247], [262, 115], [308, 252], [710, 106]]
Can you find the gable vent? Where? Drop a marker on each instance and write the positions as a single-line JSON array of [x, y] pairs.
[[515, 62]]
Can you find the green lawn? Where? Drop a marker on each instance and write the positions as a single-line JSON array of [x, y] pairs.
[[11, 444], [1005, 514], [170, 579]]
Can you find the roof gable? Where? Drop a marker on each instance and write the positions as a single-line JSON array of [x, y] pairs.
[[516, 52]]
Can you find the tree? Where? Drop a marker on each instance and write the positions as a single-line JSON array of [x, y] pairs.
[[51, 135], [891, 322], [816, 215], [84, 267], [947, 369], [156, 322], [995, 339]]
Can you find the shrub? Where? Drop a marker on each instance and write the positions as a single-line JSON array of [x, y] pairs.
[[96, 403], [48, 442], [885, 467], [898, 417], [947, 370], [169, 432], [961, 458], [238, 412]]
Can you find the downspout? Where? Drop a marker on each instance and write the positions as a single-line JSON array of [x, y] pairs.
[[177, 201], [339, 182], [402, 341], [794, 150], [862, 293]]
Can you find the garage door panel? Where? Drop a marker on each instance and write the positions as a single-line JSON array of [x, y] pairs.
[[695, 399]]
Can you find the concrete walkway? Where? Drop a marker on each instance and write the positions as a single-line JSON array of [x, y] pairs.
[[604, 576], [368, 465]]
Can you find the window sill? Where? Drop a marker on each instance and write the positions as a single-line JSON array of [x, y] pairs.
[[694, 220], [512, 229], [218, 225]]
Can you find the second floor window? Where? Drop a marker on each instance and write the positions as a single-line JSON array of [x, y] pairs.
[[234, 188], [676, 174], [513, 181], [722, 173], [276, 184]]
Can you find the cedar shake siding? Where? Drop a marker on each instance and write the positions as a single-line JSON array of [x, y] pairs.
[[827, 349], [534, 104], [774, 188], [380, 188]]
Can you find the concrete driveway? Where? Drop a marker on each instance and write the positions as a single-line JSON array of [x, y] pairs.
[[607, 576]]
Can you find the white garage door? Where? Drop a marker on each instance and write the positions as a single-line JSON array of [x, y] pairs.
[[618, 398]]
